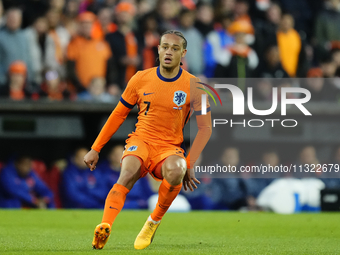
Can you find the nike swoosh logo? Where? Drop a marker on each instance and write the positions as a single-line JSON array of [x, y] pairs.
[[145, 94], [113, 208]]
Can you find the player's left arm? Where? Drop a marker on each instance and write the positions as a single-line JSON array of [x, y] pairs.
[[202, 137]]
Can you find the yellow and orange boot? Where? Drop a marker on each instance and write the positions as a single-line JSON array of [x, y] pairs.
[[101, 235], [146, 235]]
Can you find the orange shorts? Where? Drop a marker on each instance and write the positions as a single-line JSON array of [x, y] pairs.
[[152, 155]]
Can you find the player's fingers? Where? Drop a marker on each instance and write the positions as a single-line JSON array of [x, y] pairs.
[[193, 184], [94, 164], [88, 164], [190, 187], [185, 185], [197, 181]]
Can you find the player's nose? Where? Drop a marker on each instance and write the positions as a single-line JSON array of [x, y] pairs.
[[168, 52]]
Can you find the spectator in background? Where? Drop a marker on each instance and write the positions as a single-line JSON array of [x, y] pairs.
[[301, 11], [241, 14], [61, 38], [307, 158], [71, 11], [145, 7], [111, 166], [69, 19], [263, 90], [223, 7], [238, 60], [54, 88], [41, 48], [148, 36], [336, 58], [265, 30], [103, 25], [13, 44], [331, 177], [271, 67], [81, 187], [16, 87], [285, 83], [289, 43], [327, 30], [328, 66], [124, 46], [96, 92], [57, 4], [2, 20], [241, 11], [168, 11], [228, 192], [204, 18], [216, 42], [320, 89], [21, 187], [254, 185], [194, 56], [87, 58]]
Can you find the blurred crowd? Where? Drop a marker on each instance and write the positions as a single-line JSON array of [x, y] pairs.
[[27, 183], [88, 50]]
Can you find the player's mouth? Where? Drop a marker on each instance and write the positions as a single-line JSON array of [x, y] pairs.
[[167, 60]]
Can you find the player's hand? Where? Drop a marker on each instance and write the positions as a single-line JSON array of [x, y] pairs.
[[91, 159], [189, 180], [41, 204]]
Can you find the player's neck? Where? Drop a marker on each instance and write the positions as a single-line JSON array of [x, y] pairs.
[[169, 73]]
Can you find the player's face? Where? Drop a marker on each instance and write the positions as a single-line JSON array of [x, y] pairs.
[[171, 51]]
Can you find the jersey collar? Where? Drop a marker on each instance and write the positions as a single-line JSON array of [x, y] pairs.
[[168, 79]]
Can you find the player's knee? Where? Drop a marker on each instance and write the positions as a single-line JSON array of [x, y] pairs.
[[174, 173], [127, 178]]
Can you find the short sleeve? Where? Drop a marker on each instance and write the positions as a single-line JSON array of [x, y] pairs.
[[197, 90], [129, 97]]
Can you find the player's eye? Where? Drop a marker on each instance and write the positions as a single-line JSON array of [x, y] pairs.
[[175, 49], [164, 47]]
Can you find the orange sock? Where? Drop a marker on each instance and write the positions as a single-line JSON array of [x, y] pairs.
[[166, 194], [114, 203]]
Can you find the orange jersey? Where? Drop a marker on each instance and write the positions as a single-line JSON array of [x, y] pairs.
[[90, 56], [164, 107], [164, 104]]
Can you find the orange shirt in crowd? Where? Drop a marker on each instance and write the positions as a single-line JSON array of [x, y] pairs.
[[289, 46], [90, 56], [131, 51], [97, 30]]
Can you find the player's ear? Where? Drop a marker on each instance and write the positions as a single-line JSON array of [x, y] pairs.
[[159, 48], [184, 52]]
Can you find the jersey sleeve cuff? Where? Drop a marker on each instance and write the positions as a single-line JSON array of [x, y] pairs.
[[95, 149], [200, 113], [126, 104]]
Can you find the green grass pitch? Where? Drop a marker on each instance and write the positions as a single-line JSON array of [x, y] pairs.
[[70, 232]]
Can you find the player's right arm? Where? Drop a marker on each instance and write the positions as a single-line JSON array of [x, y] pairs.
[[116, 119]]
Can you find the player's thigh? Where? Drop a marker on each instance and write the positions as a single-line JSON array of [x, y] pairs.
[[133, 162], [130, 171]]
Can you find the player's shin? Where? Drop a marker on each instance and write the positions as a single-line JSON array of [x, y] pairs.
[[114, 203], [166, 194]]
